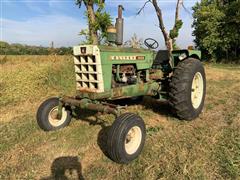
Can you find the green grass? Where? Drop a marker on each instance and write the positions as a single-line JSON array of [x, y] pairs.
[[228, 153], [206, 148], [16, 131], [32, 77], [225, 66]]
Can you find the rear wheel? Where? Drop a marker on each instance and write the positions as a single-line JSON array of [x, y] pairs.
[[188, 89], [126, 138], [47, 115]]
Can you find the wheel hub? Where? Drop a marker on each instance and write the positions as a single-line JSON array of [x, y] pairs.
[[197, 90], [53, 117], [133, 140], [54, 114]]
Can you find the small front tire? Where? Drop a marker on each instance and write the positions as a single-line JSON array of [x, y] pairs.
[[126, 138], [47, 115]]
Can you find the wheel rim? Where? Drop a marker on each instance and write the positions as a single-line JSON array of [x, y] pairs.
[[133, 140], [197, 90], [52, 117]]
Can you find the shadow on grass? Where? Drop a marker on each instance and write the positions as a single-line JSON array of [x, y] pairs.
[[64, 168], [84, 115], [162, 108]]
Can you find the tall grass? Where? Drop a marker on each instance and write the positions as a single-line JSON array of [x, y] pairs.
[[206, 148], [30, 77]]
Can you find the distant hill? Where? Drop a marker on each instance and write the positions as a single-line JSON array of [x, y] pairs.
[[20, 49]]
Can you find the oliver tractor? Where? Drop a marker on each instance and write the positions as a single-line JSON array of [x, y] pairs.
[[110, 72]]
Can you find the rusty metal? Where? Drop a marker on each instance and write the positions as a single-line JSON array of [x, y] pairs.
[[70, 101], [102, 108], [117, 92], [119, 26], [59, 113], [110, 105], [88, 104], [127, 69], [120, 8], [87, 90], [155, 74]]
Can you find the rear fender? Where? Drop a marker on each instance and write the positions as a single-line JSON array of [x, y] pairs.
[[180, 55]]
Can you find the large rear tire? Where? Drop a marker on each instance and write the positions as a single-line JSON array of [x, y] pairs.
[[188, 89], [126, 138], [47, 115]]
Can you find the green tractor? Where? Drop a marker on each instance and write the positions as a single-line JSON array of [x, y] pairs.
[[108, 73]]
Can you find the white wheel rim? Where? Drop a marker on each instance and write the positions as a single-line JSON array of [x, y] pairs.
[[197, 90], [133, 140], [52, 117]]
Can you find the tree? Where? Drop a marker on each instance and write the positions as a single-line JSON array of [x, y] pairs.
[[98, 21], [20, 49], [134, 42], [4, 47], [207, 23], [216, 28], [169, 37]]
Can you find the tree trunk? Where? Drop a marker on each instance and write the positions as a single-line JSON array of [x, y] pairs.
[[167, 39], [91, 20], [235, 52], [227, 55], [179, 2]]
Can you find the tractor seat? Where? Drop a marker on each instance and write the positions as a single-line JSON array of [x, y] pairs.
[[161, 58]]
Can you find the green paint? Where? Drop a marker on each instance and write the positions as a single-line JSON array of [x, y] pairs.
[[142, 59], [190, 53], [108, 51], [150, 89]]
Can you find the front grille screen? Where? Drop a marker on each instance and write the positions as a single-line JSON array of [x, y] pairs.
[[88, 73]]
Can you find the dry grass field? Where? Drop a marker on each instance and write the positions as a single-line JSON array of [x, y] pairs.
[[206, 148]]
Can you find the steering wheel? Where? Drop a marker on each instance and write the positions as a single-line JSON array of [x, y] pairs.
[[151, 43]]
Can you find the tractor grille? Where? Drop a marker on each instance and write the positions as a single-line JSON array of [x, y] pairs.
[[88, 72]]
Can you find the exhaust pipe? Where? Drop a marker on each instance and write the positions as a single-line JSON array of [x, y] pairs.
[[119, 26]]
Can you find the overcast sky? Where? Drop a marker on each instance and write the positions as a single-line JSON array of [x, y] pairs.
[[38, 22]]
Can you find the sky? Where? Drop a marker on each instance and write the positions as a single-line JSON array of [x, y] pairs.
[[38, 22]]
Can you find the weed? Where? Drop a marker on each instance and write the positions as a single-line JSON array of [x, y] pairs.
[[15, 132], [153, 130], [228, 153], [3, 60], [206, 148]]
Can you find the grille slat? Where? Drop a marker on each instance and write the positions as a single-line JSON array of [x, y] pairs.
[[87, 76]]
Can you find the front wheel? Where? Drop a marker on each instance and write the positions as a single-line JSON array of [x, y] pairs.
[[47, 115], [188, 89], [126, 138]]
